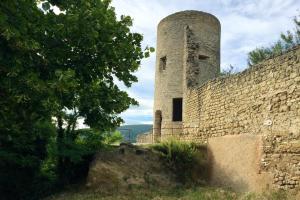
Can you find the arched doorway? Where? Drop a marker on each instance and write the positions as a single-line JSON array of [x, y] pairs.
[[157, 126]]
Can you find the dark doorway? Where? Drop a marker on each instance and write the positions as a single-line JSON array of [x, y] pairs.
[[157, 125], [177, 109]]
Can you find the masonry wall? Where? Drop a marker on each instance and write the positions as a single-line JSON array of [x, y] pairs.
[[145, 138], [170, 76], [263, 100]]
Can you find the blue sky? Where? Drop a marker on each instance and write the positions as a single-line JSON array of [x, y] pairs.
[[245, 25]]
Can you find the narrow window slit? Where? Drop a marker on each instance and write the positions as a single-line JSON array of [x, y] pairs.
[[203, 57], [163, 63]]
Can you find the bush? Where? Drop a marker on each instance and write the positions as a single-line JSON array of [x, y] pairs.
[[187, 160], [29, 159], [22, 152], [113, 138], [78, 151]]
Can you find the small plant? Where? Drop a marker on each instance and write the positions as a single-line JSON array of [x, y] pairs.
[[227, 72], [272, 195], [182, 158], [113, 138]]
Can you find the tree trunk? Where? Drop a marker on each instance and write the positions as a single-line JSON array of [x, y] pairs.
[[60, 143]]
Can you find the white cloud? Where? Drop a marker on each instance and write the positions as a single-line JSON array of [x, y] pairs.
[[144, 108]]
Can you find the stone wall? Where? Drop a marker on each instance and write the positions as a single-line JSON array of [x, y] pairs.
[[170, 59], [262, 100], [145, 138]]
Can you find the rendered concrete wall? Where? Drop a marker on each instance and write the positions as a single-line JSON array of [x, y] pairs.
[[235, 162]]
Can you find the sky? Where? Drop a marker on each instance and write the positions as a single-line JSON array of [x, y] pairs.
[[245, 25]]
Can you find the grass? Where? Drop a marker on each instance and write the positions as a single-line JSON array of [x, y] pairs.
[[179, 193], [153, 194], [184, 159]]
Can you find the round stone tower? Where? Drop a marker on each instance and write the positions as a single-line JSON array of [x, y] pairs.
[[187, 55]]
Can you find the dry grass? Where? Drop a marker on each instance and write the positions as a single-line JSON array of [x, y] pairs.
[[179, 193]]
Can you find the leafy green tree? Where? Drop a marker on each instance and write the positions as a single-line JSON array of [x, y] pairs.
[[287, 41], [60, 66], [114, 137], [90, 49], [258, 55], [25, 117]]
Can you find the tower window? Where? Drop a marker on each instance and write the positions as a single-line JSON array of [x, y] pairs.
[[177, 109], [203, 57], [163, 63]]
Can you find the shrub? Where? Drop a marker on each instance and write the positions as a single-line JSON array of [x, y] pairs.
[[22, 152], [113, 138], [78, 151], [186, 160]]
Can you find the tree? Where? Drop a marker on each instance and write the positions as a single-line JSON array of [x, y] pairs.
[[61, 66], [287, 41], [90, 49], [25, 123]]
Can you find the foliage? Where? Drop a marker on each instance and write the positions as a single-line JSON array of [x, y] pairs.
[[60, 66], [25, 120], [287, 41], [91, 49], [182, 158], [22, 153], [79, 152], [113, 138], [227, 72]]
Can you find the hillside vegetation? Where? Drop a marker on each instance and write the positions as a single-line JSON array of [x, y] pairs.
[[130, 132]]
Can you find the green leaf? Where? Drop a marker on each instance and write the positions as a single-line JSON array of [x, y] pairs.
[[146, 54], [151, 49], [61, 67]]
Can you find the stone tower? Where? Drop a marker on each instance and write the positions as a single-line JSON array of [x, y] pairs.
[[187, 55]]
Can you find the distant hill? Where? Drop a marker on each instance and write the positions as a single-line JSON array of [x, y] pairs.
[[130, 132]]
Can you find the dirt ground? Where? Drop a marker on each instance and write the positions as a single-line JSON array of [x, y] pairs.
[[126, 167]]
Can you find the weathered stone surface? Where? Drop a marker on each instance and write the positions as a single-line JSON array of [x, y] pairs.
[[263, 100], [188, 36], [145, 138], [239, 104]]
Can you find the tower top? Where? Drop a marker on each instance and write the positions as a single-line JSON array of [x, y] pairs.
[[186, 14]]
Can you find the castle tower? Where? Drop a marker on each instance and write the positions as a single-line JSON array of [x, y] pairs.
[[187, 55]]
